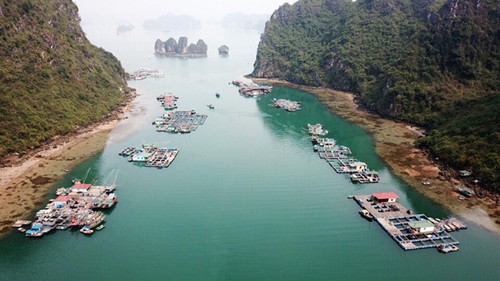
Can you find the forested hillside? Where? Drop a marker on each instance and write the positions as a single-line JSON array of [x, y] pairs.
[[52, 80], [434, 63]]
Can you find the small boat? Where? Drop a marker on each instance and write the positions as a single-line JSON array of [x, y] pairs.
[[22, 229], [350, 196], [100, 227], [465, 173], [447, 248], [140, 77], [86, 230], [366, 214], [211, 106], [217, 95]]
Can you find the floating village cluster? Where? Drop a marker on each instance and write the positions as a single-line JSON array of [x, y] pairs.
[[410, 231], [76, 206], [150, 155], [142, 74], [338, 158]]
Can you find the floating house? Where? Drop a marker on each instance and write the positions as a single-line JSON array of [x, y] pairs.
[[141, 157], [420, 227], [383, 197], [80, 187], [357, 166]]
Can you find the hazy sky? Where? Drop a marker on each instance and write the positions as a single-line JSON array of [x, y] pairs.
[[136, 10]]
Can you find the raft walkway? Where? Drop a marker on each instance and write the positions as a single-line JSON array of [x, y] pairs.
[[337, 156], [399, 222]]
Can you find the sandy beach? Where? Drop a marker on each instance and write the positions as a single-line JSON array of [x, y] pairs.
[[25, 180], [395, 143]]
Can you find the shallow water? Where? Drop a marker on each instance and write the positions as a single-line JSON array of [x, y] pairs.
[[246, 198]]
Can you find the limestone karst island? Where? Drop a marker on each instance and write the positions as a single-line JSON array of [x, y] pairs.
[[173, 48]]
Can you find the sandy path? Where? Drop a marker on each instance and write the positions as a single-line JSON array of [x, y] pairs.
[[25, 181], [395, 143]]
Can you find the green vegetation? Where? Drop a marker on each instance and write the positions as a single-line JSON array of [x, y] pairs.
[[52, 80], [434, 63]]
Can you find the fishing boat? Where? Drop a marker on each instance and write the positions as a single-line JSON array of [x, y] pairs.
[[366, 214], [100, 227], [86, 230], [447, 248]]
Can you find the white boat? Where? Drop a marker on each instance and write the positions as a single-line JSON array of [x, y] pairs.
[[366, 214]]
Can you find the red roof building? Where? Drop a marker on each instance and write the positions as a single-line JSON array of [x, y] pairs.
[[85, 186], [63, 198], [385, 196]]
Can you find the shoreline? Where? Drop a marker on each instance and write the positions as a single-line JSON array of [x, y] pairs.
[[25, 180], [395, 144]]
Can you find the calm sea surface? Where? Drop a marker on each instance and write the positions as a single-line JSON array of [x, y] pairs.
[[246, 198]]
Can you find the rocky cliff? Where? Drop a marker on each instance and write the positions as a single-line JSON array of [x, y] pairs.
[[181, 48], [430, 62], [52, 80]]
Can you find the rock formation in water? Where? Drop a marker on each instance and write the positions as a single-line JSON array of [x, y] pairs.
[[223, 50], [181, 48]]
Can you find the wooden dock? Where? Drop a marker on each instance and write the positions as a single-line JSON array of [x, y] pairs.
[[410, 231]]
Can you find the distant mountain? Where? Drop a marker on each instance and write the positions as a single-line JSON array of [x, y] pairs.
[[124, 28], [170, 22], [435, 63], [52, 80], [245, 21]]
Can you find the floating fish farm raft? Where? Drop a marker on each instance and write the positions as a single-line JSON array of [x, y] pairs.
[[75, 206], [287, 105], [168, 101], [337, 156], [150, 155], [252, 89], [410, 231], [179, 121]]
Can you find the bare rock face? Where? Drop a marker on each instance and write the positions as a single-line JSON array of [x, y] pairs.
[[160, 47], [182, 46], [170, 45], [181, 49]]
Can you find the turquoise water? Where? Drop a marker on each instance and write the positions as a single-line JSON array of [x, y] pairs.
[[246, 198]]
